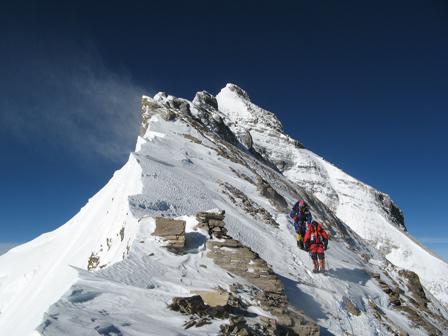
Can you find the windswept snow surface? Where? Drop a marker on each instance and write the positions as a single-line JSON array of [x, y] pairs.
[[180, 178], [178, 169], [367, 211], [35, 275]]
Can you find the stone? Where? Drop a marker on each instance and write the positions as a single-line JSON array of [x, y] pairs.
[[214, 298], [189, 305], [169, 227], [350, 306], [168, 115], [271, 194], [216, 222], [93, 262], [206, 216], [226, 243], [415, 287], [246, 140]]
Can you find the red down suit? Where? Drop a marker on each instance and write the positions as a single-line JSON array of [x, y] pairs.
[[316, 239]]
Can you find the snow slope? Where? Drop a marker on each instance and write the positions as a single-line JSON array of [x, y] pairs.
[[187, 177], [35, 275], [184, 158], [368, 212]]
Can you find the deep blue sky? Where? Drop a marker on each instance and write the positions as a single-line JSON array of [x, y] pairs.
[[362, 83]]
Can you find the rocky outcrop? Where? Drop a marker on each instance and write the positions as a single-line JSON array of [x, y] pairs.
[[241, 200], [266, 190], [171, 230], [205, 111], [247, 140], [393, 212], [151, 107], [415, 287], [350, 306], [213, 222], [240, 260]]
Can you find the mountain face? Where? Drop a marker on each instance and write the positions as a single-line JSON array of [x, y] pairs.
[[223, 172]]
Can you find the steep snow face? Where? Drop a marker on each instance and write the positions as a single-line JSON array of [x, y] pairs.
[[370, 213], [185, 169], [36, 274]]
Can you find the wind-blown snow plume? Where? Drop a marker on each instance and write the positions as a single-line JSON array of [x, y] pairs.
[[73, 102]]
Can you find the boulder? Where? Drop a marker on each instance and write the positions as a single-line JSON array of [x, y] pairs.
[[171, 230]]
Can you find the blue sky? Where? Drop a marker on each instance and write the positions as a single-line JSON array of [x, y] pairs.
[[361, 83]]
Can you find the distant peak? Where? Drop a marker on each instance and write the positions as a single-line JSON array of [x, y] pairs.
[[235, 89], [204, 98]]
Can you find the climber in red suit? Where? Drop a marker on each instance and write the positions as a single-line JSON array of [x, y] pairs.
[[316, 242]]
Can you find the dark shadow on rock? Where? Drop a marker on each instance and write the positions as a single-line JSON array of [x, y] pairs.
[[194, 241], [356, 275]]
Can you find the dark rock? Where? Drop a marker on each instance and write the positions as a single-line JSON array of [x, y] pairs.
[[189, 305], [271, 194], [415, 287], [350, 306], [246, 140], [204, 99]]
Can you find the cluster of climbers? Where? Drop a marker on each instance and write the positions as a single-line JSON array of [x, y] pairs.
[[311, 237]]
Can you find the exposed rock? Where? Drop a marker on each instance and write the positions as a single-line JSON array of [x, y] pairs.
[[394, 213], [237, 327], [213, 223], [152, 107], [350, 306], [240, 260], [181, 105], [206, 112], [271, 194], [415, 287], [93, 262], [242, 176], [194, 305], [192, 138], [203, 98], [214, 298], [241, 200], [171, 230], [394, 294], [246, 140], [189, 305], [419, 321]]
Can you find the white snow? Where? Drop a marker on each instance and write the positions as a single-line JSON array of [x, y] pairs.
[[137, 277], [35, 275], [352, 201]]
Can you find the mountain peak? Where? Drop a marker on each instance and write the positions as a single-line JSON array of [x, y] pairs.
[[218, 153], [236, 90]]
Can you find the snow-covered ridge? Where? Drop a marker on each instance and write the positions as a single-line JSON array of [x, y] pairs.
[[34, 275], [191, 157]]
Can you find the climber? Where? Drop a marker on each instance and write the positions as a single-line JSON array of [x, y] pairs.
[[316, 242], [301, 216]]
